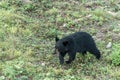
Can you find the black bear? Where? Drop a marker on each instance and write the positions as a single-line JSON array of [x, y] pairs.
[[76, 42]]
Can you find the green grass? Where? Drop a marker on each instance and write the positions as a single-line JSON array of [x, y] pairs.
[[27, 32]]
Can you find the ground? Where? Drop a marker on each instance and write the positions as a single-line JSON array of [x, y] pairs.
[[28, 28]]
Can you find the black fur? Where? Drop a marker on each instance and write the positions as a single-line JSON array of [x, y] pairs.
[[77, 42]]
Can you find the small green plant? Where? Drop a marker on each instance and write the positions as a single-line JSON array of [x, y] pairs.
[[14, 2], [29, 7], [115, 56], [4, 5]]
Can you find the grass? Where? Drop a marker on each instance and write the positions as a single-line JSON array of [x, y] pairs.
[[27, 31]]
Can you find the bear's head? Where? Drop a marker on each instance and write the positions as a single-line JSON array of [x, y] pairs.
[[61, 45]]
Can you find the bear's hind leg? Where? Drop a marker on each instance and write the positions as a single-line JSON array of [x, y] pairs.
[[95, 52]]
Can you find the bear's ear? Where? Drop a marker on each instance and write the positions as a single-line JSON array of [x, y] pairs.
[[65, 43], [56, 39]]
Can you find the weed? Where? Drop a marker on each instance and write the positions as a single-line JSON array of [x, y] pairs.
[[115, 56]]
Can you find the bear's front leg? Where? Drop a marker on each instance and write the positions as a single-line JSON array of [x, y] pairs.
[[61, 57], [71, 57]]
